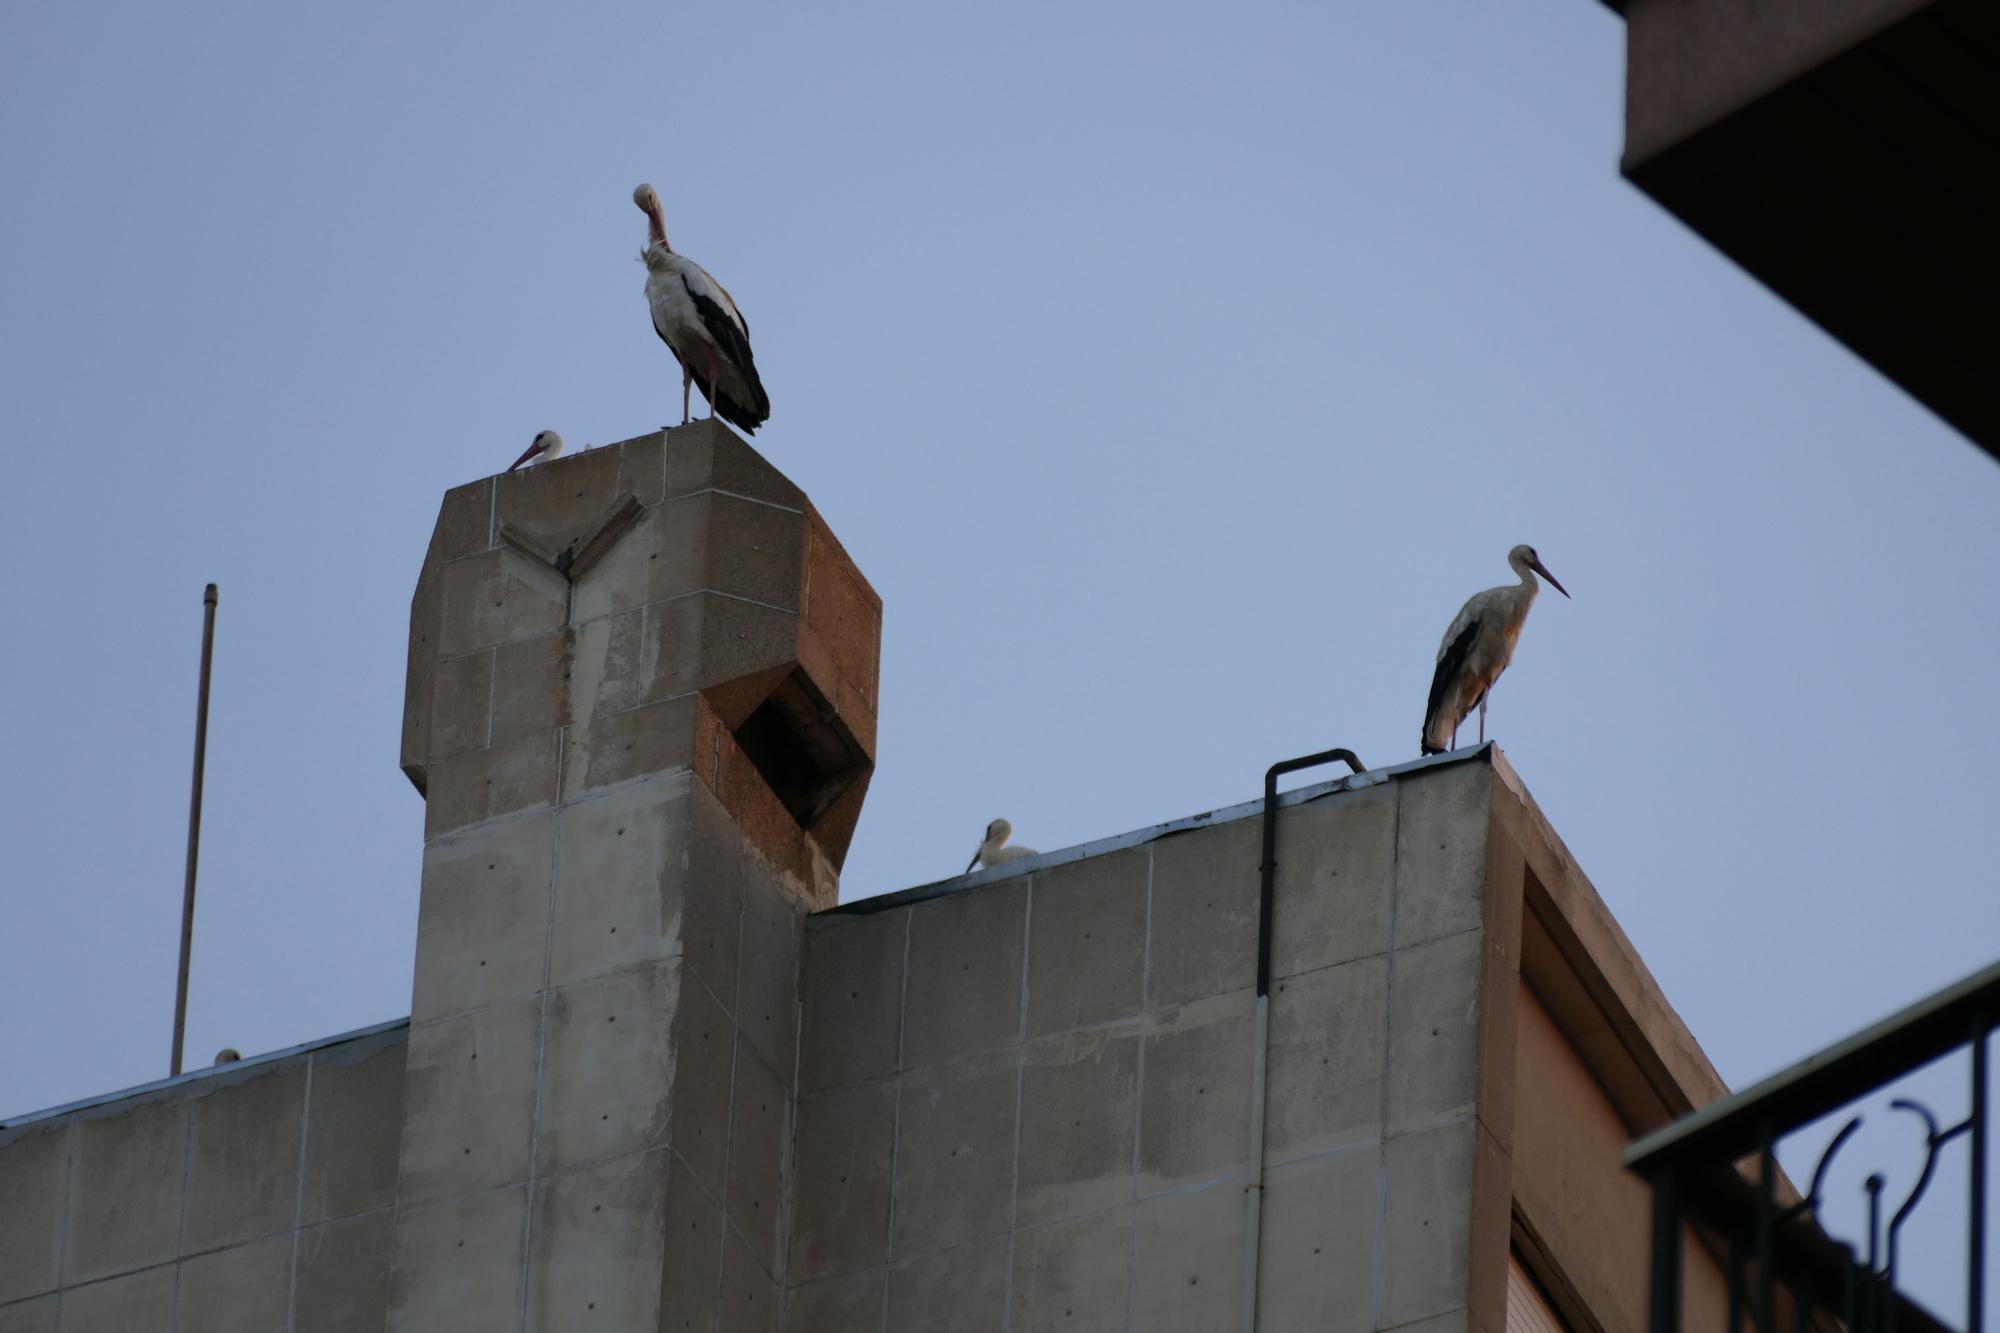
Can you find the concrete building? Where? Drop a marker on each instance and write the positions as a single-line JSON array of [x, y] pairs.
[[1837, 150], [655, 1078]]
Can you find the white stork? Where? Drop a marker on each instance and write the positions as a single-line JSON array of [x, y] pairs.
[[547, 445], [1478, 647], [701, 326], [995, 851]]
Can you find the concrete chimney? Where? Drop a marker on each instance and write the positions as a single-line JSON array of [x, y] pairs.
[[641, 709]]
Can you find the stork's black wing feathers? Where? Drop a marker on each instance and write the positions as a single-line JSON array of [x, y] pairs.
[[1450, 662], [735, 346]]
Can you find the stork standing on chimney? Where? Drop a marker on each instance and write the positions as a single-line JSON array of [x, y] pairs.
[[701, 326], [1477, 648]]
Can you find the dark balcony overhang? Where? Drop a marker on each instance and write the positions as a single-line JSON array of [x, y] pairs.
[[1841, 151]]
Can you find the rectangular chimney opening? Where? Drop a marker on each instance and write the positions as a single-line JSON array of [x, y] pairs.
[[800, 748]]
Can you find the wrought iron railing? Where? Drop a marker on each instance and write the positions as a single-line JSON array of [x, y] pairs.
[[1716, 1174]]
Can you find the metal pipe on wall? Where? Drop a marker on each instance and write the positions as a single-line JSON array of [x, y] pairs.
[[1260, 1041]]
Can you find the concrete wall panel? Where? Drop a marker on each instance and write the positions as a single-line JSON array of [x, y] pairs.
[[619, 884], [529, 691], [1441, 853], [461, 690], [1428, 1223], [955, 1136], [458, 1265], [595, 1247], [465, 789], [759, 1138], [1073, 1275], [36, 1316], [125, 1191], [1187, 1261], [1335, 880], [343, 1274], [1195, 1111], [853, 998], [1204, 917], [963, 994], [34, 1173], [484, 900], [247, 1287], [843, 1150], [140, 1302], [607, 1067], [1323, 1087], [1319, 1243], [354, 1125], [712, 896], [1079, 1124], [468, 1101], [243, 1178], [851, 1302], [691, 1270], [704, 1068], [962, 1289], [749, 1300], [767, 992], [1087, 942], [1434, 1031]]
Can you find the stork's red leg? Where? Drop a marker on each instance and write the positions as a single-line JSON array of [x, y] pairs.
[[687, 378]]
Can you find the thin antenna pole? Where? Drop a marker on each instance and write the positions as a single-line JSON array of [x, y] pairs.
[[194, 825]]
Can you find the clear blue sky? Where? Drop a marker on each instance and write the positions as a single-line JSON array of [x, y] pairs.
[[1173, 371]]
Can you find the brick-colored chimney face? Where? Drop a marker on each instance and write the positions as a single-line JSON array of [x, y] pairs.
[[669, 602]]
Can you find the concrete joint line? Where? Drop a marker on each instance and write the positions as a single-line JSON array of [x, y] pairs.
[[736, 1044], [1139, 1096], [299, 1198], [1224, 1177], [788, 1182], [492, 692], [180, 1224], [747, 601], [62, 1237], [541, 1064], [1021, 1078], [1378, 1263], [576, 559], [747, 499], [504, 1001], [1321, 1154], [896, 1080]]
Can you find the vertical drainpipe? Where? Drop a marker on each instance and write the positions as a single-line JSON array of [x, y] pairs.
[[1260, 1039]]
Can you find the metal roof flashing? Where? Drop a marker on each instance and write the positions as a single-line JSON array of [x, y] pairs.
[[198, 1080], [221, 1076], [979, 879]]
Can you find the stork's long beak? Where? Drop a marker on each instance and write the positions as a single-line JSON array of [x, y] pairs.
[[1543, 570], [969, 864], [536, 448]]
